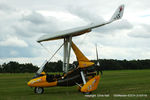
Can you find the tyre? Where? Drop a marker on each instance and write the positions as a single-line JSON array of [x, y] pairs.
[[38, 90]]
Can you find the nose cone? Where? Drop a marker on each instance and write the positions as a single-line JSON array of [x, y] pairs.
[[29, 83]]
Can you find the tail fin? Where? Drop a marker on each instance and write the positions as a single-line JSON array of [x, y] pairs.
[[118, 13]]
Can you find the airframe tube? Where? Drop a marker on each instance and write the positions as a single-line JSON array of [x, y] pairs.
[[67, 50], [83, 78]]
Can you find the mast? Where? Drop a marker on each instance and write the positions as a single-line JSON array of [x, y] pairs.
[[67, 51]]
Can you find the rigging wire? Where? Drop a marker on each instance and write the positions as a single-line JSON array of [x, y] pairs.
[[83, 39], [80, 43], [43, 65], [45, 48], [56, 52], [86, 34], [48, 50]]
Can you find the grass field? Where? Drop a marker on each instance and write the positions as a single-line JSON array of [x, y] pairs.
[[123, 82]]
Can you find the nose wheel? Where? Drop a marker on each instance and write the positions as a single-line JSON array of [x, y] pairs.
[[38, 90]]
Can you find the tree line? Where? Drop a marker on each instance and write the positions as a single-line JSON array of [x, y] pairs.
[[110, 64], [106, 64]]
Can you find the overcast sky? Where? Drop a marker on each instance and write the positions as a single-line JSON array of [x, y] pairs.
[[22, 22]]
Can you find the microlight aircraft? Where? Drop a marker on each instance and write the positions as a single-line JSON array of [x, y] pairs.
[[86, 75]]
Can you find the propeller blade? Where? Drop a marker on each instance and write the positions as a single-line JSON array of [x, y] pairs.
[[96, 52], [98, 62]]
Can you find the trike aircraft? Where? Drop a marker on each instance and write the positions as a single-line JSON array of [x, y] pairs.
[[86, 75]]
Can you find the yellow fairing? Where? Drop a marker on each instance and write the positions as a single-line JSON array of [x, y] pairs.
[[41, 82], [83, 64], [91, 85], [83, 61]]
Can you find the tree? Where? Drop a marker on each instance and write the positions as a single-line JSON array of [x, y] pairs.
[[106, 64]]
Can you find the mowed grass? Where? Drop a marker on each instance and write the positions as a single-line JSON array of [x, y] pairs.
[[124, 82]]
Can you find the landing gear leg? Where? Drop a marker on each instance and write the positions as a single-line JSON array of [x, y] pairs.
[[38, 90]]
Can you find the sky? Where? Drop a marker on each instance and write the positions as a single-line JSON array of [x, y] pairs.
[[22, 22]]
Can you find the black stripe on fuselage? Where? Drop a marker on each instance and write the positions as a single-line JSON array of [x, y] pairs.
[[71, 79]]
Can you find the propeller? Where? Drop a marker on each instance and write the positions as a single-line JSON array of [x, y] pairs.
[[98, 67]]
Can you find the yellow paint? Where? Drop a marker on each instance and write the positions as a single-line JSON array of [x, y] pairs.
[[43, 73], [83, 64], [83, 61], [41, 82], [91, 85]]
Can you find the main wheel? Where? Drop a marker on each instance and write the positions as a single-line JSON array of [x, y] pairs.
[[38, 90]]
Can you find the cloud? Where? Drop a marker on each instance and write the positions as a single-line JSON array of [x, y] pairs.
[[13, 42], [35, 60], [140, 31], [85, 14], [6, 8], [13, 53], [119, 25], [25, 23], [35, 18], [22, 23], [20, 29], [34, 24], [9, 52]]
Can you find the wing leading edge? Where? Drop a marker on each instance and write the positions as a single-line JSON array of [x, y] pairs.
[[82, 30]]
